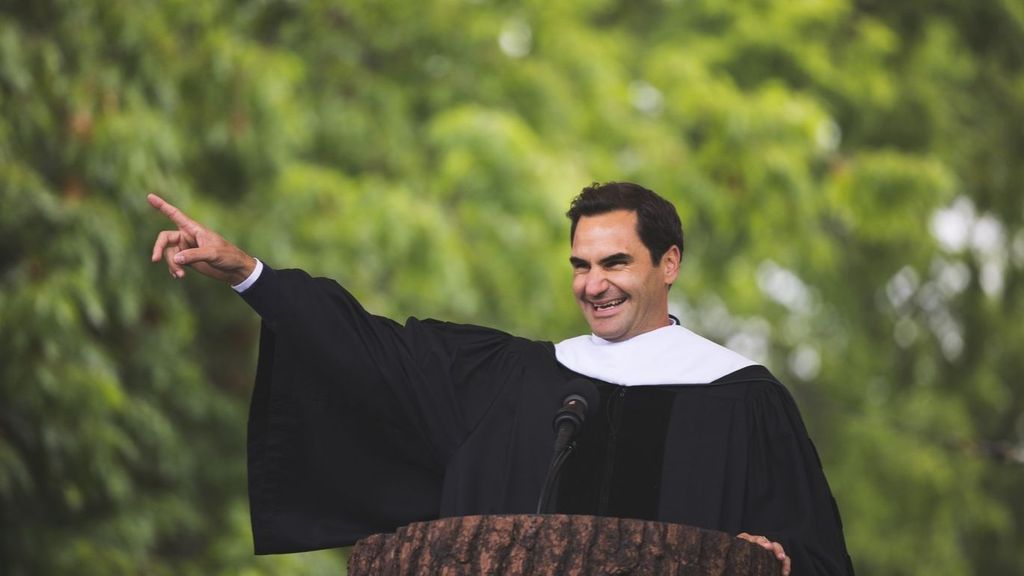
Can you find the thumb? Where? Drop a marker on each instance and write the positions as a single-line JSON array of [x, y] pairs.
[[192, 255]]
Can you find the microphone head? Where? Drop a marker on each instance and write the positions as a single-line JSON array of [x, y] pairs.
[[582, 399], [577, 405], [587, 392]]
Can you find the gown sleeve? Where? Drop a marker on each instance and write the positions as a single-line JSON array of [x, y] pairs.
[[787, 496], [354, 416]]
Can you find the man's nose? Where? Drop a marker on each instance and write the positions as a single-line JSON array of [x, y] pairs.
[[595, 283]]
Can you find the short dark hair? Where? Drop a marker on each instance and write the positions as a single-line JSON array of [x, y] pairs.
[[657, 222]]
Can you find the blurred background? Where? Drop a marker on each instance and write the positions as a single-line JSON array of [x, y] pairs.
[[848, 173]]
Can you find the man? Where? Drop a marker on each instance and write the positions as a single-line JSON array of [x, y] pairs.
[[359, 424]]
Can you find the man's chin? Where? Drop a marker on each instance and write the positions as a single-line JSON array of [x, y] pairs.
[[605, 332]]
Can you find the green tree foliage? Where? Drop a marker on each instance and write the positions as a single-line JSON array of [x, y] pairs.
[[846, 172]]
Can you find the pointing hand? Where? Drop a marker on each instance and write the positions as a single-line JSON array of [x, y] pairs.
[[196, 247]]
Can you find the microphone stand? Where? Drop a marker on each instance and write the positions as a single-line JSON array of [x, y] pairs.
[[568, 422]]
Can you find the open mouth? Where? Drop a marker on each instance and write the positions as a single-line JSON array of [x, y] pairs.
[[608, 305]]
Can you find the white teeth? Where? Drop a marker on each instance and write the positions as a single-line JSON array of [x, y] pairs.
[[608, 305]]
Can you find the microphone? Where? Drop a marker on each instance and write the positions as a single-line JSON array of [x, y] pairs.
[[567, 423], [569, 420]]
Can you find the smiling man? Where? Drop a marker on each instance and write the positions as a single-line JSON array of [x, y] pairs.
[[621, 288], [359, 424]]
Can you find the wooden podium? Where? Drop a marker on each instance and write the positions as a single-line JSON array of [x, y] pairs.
[[556, 545]]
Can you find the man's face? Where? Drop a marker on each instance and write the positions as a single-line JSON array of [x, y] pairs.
[[619, 291]]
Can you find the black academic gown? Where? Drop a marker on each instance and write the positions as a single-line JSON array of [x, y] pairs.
[[359, 425]]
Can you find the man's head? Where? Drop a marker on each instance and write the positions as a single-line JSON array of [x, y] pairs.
[[626, 246], [657, 221]]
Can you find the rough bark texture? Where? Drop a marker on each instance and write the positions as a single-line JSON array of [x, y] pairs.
[[556, 545]]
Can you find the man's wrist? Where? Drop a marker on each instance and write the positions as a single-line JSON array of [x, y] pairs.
[[250, 279]]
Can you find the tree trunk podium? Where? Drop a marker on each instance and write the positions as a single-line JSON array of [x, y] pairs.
[[556, 545]]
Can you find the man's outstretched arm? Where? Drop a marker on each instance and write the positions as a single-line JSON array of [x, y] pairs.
[[193, 245]]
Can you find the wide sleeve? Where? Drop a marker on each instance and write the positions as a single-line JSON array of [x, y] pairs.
[[353, 416], [787, 496]]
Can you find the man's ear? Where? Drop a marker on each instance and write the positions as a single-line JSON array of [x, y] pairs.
[[670, 264]]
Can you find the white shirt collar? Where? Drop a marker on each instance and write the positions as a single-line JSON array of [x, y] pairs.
[[668, 355]]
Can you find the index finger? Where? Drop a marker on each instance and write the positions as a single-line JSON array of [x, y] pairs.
[[176, 216]]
